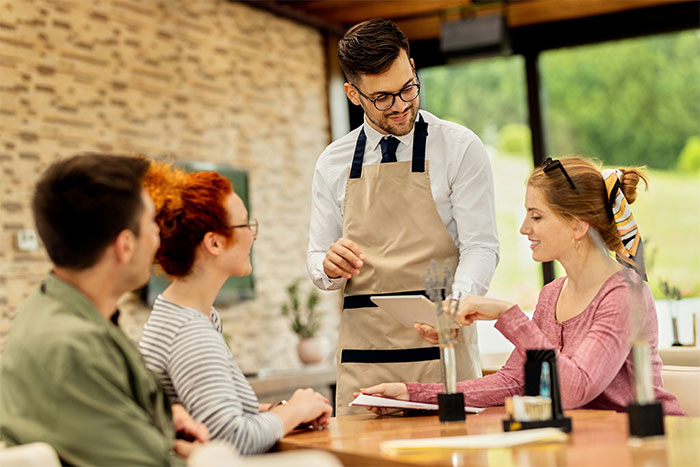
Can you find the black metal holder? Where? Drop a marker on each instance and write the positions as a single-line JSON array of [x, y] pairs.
[[533, 372], [646, 419], [451, 407]]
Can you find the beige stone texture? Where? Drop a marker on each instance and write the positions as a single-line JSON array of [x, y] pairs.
[[197, 80]]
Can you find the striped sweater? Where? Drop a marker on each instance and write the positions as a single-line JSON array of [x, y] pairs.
[[187, 352]]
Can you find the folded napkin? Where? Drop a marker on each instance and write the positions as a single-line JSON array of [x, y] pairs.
[[485, 441]]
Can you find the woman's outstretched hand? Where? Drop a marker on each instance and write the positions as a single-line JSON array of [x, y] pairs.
[[474, 307], [390, 390]]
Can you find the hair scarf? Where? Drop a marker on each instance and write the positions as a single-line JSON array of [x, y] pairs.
[[632, 251]]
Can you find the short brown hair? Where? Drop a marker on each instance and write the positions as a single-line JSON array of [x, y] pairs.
[[82, 203], [370, 47], [588, 202]]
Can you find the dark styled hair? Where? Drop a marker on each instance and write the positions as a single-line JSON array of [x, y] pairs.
[[589, 201], [188, 205], [370, 47], [82, 203]]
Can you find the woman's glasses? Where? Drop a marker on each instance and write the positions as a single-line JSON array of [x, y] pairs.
[[252, 225], [552, 164]]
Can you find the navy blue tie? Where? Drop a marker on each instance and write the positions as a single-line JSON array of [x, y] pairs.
[[389, 145]]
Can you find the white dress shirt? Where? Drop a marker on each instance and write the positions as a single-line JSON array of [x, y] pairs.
[[461, 183]]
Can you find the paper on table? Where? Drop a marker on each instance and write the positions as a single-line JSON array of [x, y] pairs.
[[485, 441], [363, 400]]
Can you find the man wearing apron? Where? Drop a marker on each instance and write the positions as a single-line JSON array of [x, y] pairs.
[[401, 190]]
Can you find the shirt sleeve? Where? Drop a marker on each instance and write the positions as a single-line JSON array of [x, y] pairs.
[[582, 377], [325, 227], [95, 407], [480, 392], [201, 371], [473, 207]]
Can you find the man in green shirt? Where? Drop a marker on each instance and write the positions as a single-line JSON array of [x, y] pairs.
[[69, 376]]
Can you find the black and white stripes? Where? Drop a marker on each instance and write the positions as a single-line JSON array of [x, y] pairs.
[[188, 354]]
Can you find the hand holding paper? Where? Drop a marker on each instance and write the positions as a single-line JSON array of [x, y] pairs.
[[365, 400]]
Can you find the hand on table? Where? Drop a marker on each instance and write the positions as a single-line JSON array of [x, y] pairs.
[[343, 259], [392, 390], [305, 407], [193, 433]]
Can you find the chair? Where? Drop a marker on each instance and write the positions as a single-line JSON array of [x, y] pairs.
[[680, 356], [684, 383], [221, 454], [492, 362], [29, 455]]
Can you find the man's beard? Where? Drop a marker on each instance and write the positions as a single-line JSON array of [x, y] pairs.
[[397, 129]]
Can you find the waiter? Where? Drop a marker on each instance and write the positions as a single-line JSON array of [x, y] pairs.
[[387, 198]]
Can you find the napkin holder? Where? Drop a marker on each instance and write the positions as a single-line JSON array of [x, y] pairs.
[[533, 387]]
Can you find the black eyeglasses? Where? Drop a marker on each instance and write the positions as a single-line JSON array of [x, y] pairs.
[[385, 101], [252, 225], [552, 164]]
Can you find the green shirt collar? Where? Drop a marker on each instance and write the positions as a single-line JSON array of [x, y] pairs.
[[66, 293]]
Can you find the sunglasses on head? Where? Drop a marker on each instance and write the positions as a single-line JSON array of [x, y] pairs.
[[553, 164]]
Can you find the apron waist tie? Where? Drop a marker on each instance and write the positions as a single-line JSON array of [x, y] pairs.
[[363, 301], [390, 356]]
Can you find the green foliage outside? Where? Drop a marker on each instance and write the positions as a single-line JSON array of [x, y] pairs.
[[633, 102], [689, 161], [515, 138], [626, 102]]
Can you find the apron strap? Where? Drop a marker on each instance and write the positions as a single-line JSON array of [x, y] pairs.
[[419, 140], [356, 168], [363, 301], [419, 354]]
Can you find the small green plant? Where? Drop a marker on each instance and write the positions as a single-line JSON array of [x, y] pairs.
[[305, 320], [671, 292]]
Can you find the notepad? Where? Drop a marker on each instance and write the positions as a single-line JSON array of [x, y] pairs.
[[484, 441], [365, 400]]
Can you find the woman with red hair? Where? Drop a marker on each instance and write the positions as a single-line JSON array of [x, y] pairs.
[[206, 238]]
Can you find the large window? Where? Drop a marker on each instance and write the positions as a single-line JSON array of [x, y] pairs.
[[627, 103], [637, 102], [488, 97]]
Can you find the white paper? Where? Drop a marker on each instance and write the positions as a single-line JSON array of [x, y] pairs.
[[365, 400], [485, 441]]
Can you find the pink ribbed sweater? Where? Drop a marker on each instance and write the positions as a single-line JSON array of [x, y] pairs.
[[594, 359]]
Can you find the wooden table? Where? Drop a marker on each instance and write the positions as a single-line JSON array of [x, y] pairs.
[[599, 438]]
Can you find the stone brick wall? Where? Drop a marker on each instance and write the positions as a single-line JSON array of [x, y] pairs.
[[202, 80]]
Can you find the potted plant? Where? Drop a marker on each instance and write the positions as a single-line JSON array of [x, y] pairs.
[[305, 322]]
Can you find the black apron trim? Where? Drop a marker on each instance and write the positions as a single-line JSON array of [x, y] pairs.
[[363, 301], [390, 356], [359, 155], [419, 140]]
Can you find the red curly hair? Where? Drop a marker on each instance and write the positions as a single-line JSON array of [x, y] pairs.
[[188, 205]]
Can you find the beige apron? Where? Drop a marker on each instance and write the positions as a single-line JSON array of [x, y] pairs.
[[390, 213]]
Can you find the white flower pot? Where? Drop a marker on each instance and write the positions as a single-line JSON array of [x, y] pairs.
[[313, 349]]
